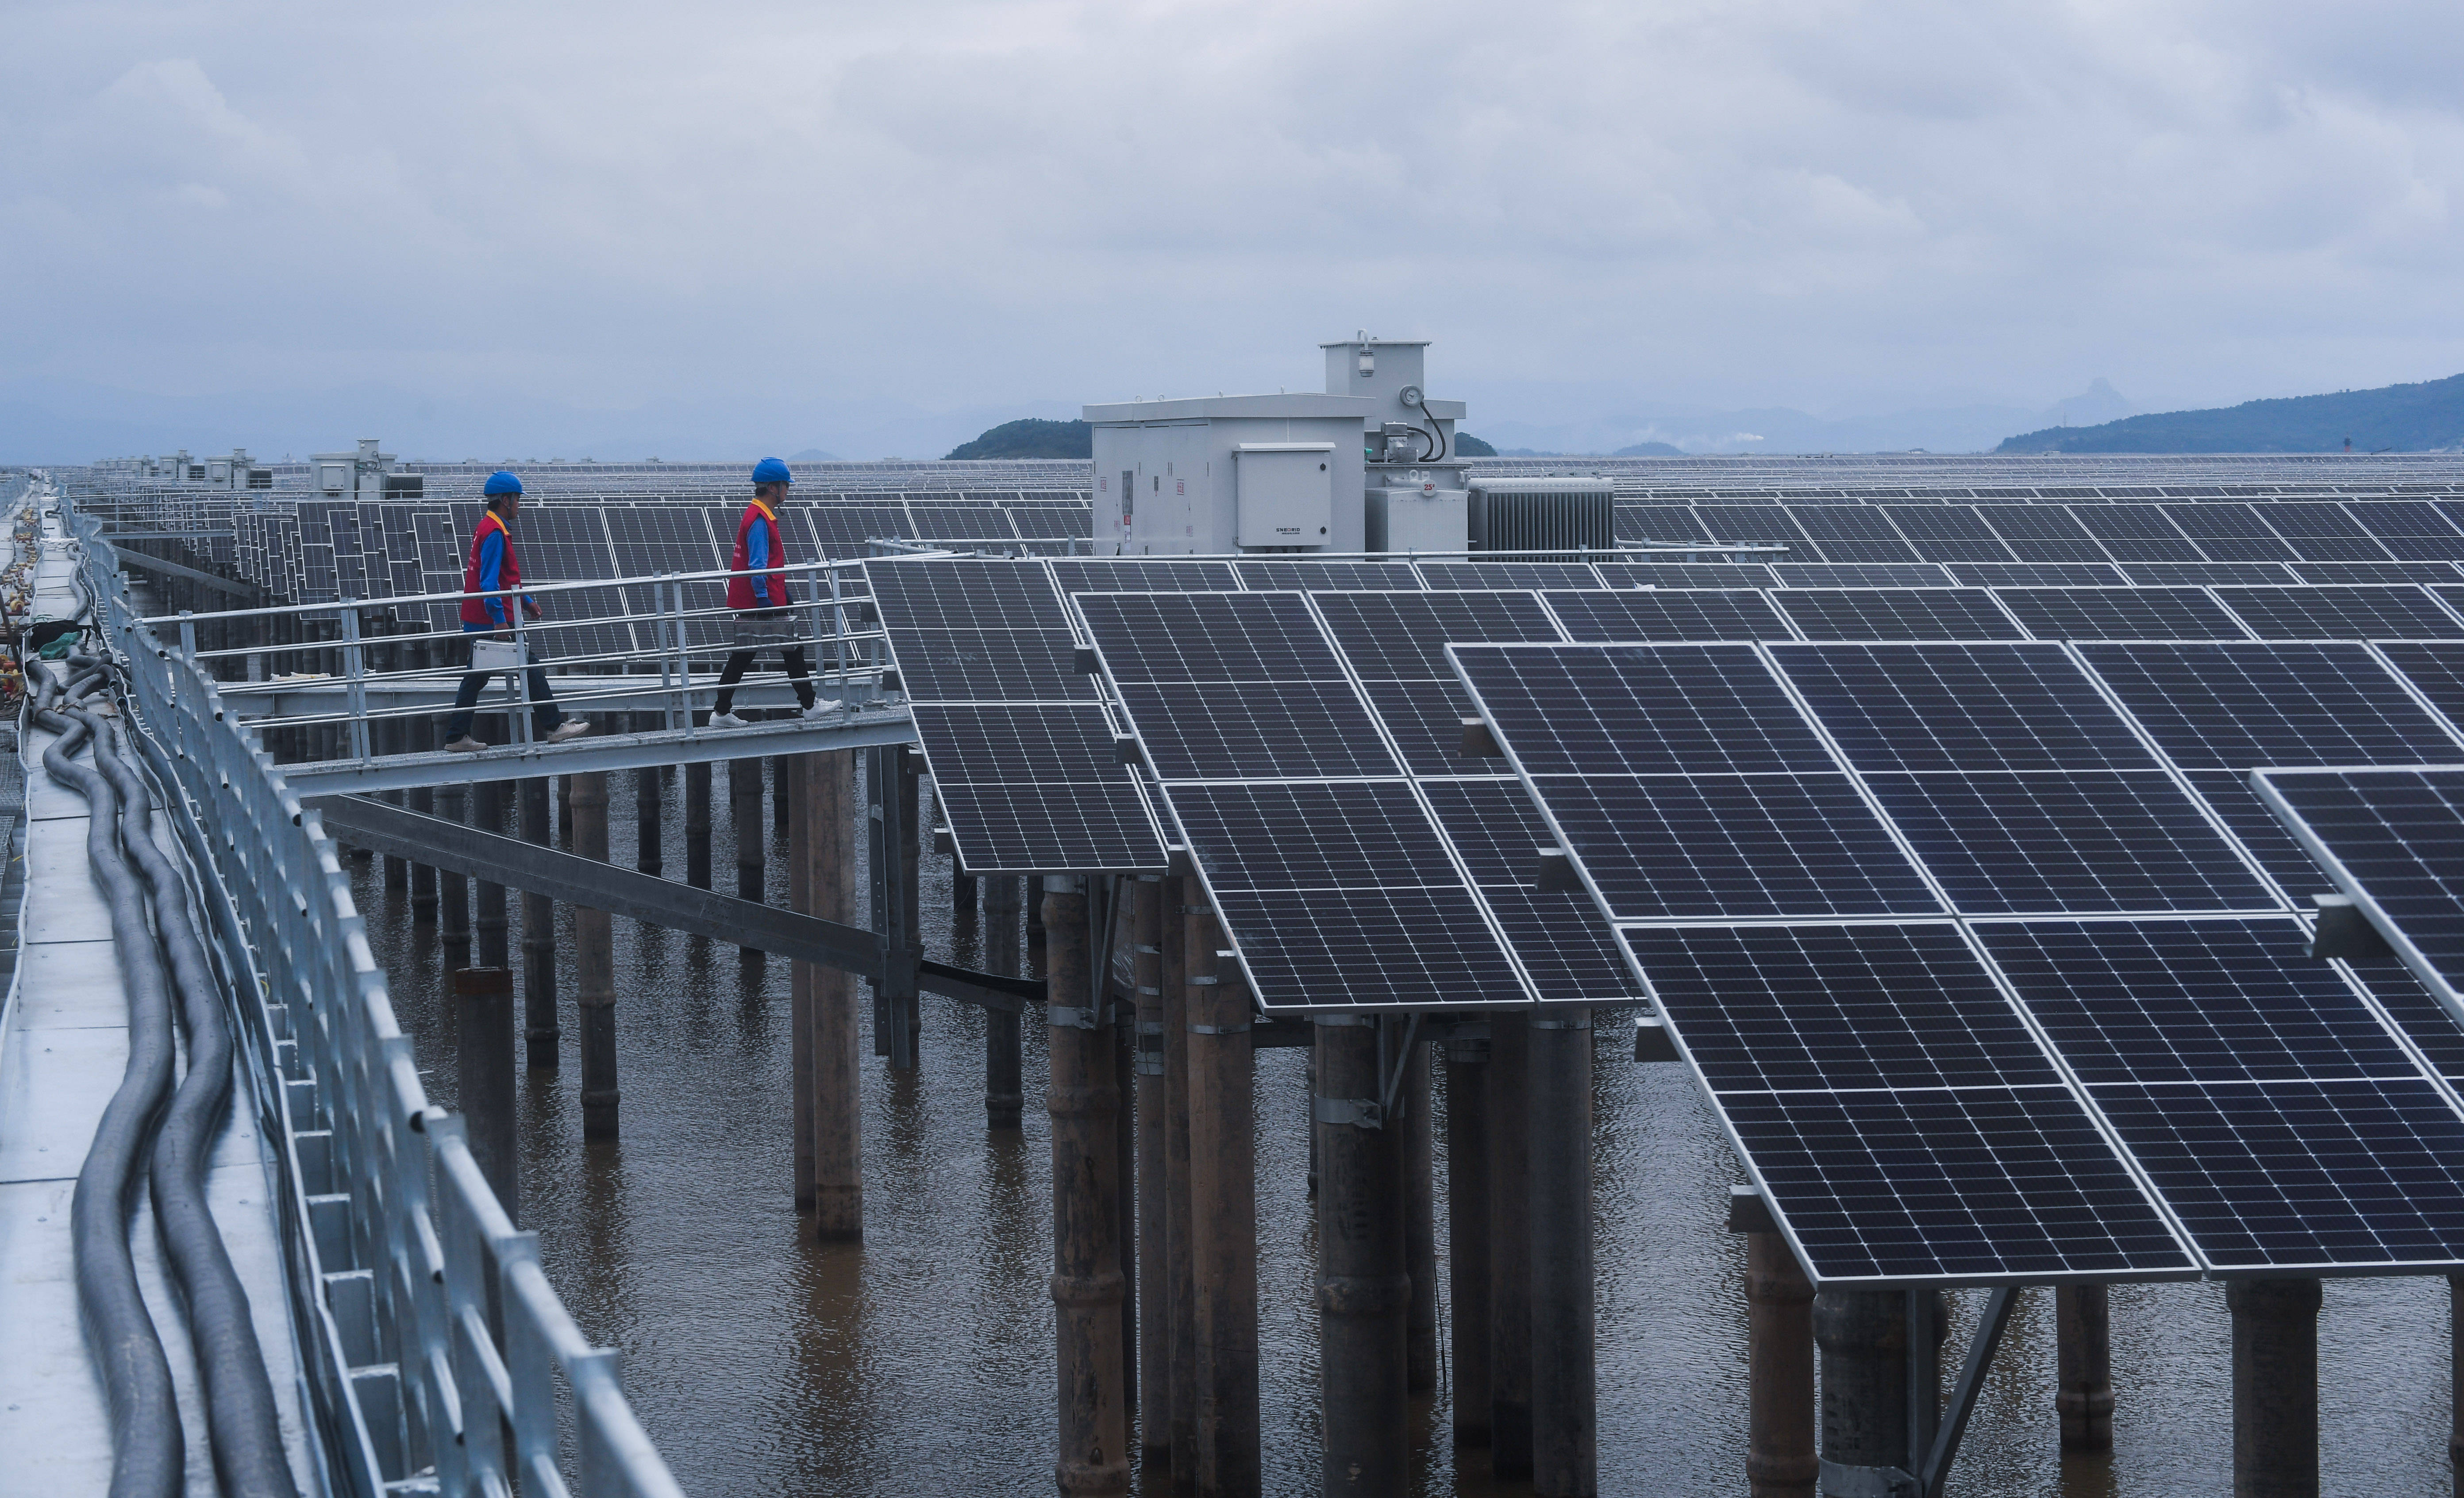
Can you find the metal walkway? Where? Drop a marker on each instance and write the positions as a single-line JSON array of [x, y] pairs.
[[61, 1054], [413, 1341]]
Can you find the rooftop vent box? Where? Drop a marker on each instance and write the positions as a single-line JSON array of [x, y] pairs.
[[1286, 493], [1551, 515]]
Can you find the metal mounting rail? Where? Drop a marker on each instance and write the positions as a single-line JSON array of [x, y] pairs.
[[859, 730], [397, 1252]]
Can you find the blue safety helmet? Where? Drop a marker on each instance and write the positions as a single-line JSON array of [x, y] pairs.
[[503, 482], [770, 470]]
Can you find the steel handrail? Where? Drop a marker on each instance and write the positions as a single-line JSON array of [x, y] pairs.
[[392, 1236]]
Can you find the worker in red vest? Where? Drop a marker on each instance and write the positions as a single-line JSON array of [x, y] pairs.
[[758, 593], [485, 612]]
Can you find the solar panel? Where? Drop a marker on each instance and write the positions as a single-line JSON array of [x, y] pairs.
[[1961, 1184], [2079, 842], [1296, 572], [1861, 574], [2230, 533], [1659, 524], [1689, 783], [2320, 531], [1853, 533], [2377, 572], [1686, 574], [2043, 533], [1031, 787], [2356, 612], [2136, 532], [2038, 574], [1508, 574], [2202, 575], [1947, 533], [1141, 575], [1926, 708], [1245, 687], [1021, 756], [2231, 705], [1403, 636], [2277, 1117], [1671, 613], [1897, 614], [2119, 614]]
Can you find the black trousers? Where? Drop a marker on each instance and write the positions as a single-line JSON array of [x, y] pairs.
[[740, 662]]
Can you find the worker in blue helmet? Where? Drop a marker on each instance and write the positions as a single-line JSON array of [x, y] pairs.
[[486, 612], [757, 592]]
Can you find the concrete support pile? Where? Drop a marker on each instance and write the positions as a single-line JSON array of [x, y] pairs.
[[1364, 1290], [539, 1031], [2274, 1387], [594, 960], [1564, 1424], [2084, 1358], [1087, 1284], [1223, 1200], [829, 797], [483, 1028], [1467, 1233]]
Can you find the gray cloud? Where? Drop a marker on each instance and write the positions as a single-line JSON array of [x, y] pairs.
[[683, 224]]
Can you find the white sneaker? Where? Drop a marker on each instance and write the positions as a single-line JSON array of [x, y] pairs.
[[727, 720], [819, 712], [569, 729], [466, 745]]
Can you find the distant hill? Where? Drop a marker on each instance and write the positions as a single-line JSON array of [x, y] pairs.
[[1031, 438], [1649, 449], [2420, 418], [813, 455], [1466, 445]]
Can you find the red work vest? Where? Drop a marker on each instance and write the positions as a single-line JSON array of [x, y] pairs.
[[475, 611], [739, 590]]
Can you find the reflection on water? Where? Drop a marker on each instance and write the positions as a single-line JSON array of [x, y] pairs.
[[921, 1361]]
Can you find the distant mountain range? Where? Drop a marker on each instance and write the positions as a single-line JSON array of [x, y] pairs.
[[2422, 418], [1779, 429]]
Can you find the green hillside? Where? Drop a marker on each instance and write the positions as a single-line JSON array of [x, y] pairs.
[[1031, 438], [2420, 418]]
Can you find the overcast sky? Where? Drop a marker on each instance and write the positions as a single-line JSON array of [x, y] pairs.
[[747, 225]]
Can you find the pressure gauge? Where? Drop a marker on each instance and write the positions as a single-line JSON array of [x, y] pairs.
[[1411, 396]]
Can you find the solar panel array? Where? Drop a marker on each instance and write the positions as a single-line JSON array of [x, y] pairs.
[[1982, 983]]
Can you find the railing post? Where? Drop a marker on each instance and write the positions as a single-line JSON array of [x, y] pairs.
[[355, 666], [522, 726]]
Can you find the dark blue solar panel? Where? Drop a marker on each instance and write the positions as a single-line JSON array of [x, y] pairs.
[[2192, 1000], [1947, 533], [2081, 841], [1403, 636], [2119, 614], [1208, 637], [2233, 706], [1861, 574], [1945, 706], [1642, 710], [1729, 846], [2382, 611], [1790, 1008], [2203, 575], [1672, 614], [2291, 1175], [1255, 731], [1973, 1183], [1897, 614], [2038, 574]]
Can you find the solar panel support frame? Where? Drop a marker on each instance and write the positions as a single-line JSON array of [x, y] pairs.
[[2412, 956]]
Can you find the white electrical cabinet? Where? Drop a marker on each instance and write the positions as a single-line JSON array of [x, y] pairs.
[[1222, 475], [1285, 493]]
